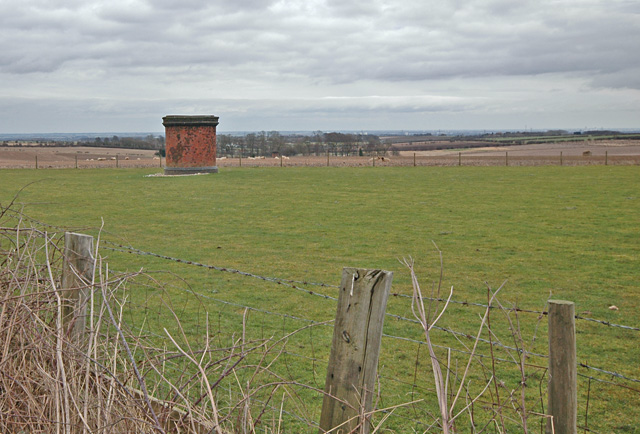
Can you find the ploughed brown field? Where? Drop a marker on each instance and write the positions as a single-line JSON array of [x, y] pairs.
[[619, 152], [614, 152], [24, 157]]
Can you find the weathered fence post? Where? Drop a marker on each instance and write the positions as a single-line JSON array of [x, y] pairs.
[[506, 158], [563, 376], [36, 161], [353, 362], [414, 159], [561, 158], [606, 158], [77, 274], [459, 158]]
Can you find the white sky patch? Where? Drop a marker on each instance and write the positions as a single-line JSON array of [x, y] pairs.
[[257, 63]]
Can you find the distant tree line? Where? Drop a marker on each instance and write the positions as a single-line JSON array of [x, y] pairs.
[[149, 142], [554, 133], [320, 143], [273, 143], [30, 143]]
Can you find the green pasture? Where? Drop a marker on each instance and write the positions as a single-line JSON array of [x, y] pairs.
[[545, 232]]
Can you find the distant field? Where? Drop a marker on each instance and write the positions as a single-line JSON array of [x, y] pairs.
[[565, 232], [612, 147], [611, 152], [54, 157]]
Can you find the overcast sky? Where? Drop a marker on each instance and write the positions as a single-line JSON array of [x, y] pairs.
[[121, 65]]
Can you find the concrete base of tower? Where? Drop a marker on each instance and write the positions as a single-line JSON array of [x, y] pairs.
[[189, 170]]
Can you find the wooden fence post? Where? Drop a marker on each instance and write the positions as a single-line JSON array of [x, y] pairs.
[[414, 159], [77, 274], [353, 362], [459, 158], [561, 158], [563, 376], [606, 158]]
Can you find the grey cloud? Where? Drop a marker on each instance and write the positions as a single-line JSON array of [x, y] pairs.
[[278, 49], [629, 78], [348, 41]]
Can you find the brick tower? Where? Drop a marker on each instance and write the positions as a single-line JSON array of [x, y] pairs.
[[190, 144]]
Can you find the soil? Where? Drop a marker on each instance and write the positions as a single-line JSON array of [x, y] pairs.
[[615, 152], [22, 157]]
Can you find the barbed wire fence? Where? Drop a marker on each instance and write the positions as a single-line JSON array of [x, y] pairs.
[[415, 379], [313, 348], [378, 158]]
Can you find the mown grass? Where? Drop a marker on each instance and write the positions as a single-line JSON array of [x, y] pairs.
[[561, 232]]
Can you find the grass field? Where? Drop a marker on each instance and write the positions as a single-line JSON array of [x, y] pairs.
[[561, 232]]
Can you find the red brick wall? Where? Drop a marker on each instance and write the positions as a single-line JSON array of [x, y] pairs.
[[191, 146]]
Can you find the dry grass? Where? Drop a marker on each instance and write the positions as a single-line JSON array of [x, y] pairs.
[[51, 382], [504, 409], [116, 379], [113, 379], [110, 378]]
